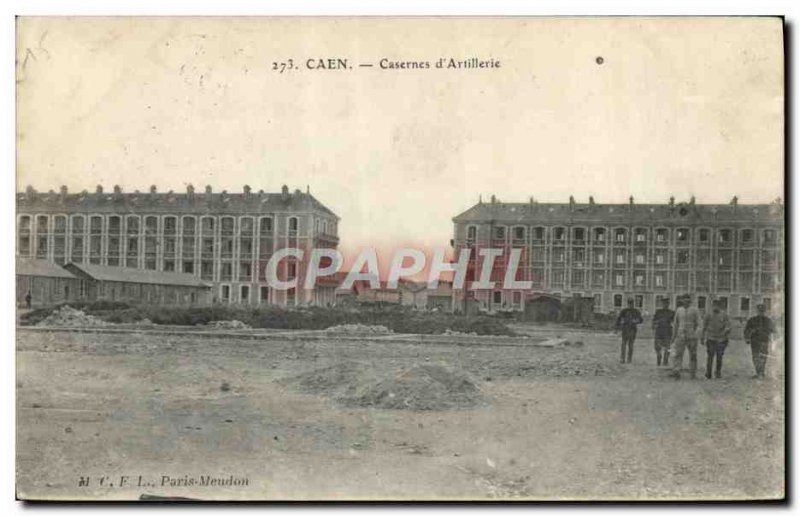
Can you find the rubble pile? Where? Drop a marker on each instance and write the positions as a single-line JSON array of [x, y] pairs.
[[419, 387], [359, 329], [228, 325], [568, 367], [68, 316]]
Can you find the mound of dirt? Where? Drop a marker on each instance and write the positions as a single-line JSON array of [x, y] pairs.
[[420, 387], [228, 325], [359, 329], [335, 381], [68, 316]]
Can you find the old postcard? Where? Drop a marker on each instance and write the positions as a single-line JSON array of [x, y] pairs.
[[400, 258]]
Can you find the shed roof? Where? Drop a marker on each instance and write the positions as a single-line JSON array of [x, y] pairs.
[[46, 268], [130, 275]]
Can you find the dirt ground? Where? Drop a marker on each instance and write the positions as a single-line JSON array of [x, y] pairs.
[[138, 414]]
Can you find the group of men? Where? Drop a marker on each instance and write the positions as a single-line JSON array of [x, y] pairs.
[[675, 332]]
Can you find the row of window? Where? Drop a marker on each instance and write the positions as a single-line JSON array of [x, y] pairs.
[[169, 224], [723, 236], [148, 293], [745, 304], [641, 279], [225, 294], [723, 258], [190, 246]]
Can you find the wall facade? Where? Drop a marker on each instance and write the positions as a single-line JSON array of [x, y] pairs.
[[47, 290]]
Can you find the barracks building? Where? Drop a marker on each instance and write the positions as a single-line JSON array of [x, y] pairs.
[[614, 252], [224, 239]]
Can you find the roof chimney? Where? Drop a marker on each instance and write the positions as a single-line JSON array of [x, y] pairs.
[[735, 200], [591, 200], [284, 193], [63, 191], [99, 189], [493, 199], [630, 201], [246, 189], [692, 200], [672, 201]]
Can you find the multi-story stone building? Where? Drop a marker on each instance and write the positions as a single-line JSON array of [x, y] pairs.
[[612, 252], [223, 238]]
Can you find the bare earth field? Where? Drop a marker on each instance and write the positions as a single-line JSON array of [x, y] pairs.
[[164, 411]]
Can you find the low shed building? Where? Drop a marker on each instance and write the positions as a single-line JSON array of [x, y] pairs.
[[441, 297], [141, 286], [47, 283]]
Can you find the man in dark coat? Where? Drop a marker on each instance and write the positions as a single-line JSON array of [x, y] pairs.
[[757, 333], [716, 328], [662, 331], [627, 321]]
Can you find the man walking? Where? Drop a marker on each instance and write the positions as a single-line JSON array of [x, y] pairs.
[[716, 328], [28, 299], [662, 331], [686, 331], [627, 321], [757, 333]]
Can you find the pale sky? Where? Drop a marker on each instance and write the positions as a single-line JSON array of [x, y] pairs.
[[678, 107]]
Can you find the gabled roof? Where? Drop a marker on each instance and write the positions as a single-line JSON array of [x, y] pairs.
[[503, 212], [45, 268], [130, 275]]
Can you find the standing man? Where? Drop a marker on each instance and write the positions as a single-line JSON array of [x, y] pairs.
[[662, 331], [685, 334], [28, 298], [627, 321], [716, 328], [757, 333]]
